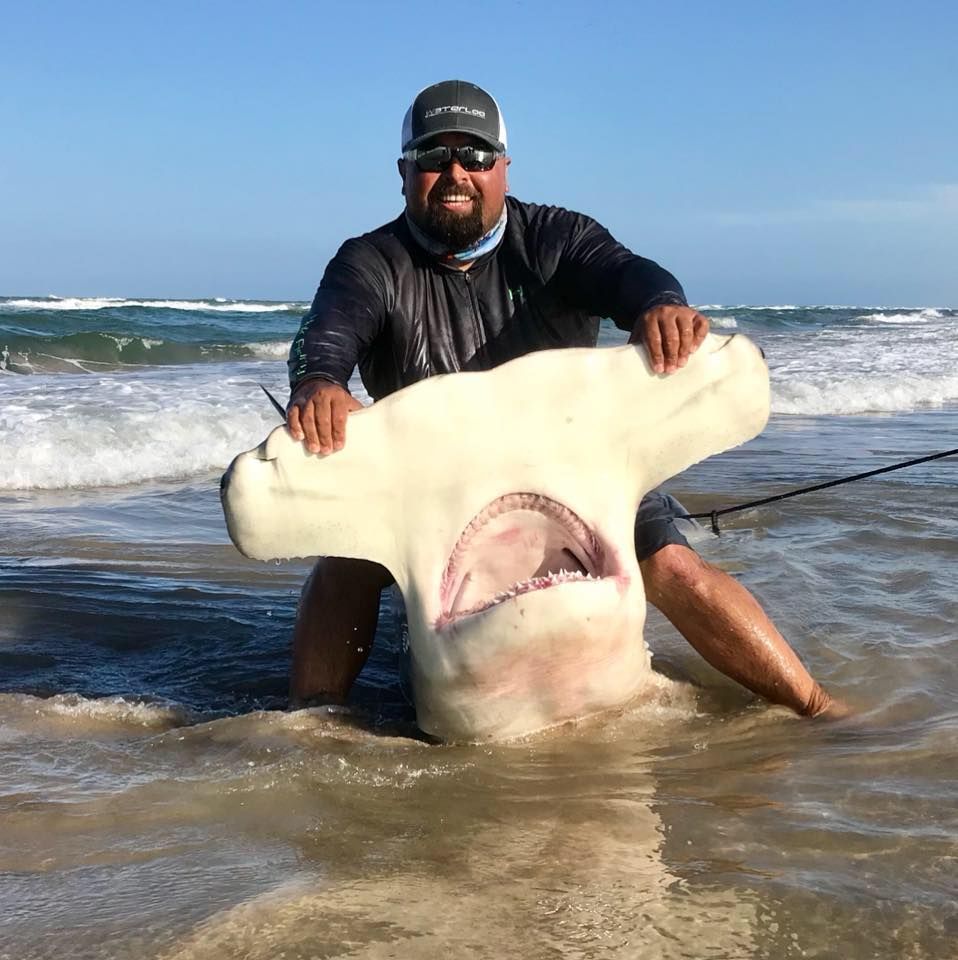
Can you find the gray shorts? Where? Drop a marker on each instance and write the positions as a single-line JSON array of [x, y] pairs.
[[655, 524]]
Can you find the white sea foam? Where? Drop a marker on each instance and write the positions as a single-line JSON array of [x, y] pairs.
[[810, 307], [724, 323], [23, 711], [91, 431], [705, 307], [217, 305], [751, 306], [274, 350], [835, 396], [95, 430], [115, 710], [865, 367], [912, 316]]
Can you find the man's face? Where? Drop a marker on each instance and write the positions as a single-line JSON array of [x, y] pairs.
[[454, 206]]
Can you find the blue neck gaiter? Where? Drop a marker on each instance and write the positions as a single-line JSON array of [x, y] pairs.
[[483, 245]]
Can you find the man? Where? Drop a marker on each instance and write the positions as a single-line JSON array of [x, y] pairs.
[[465, 279]]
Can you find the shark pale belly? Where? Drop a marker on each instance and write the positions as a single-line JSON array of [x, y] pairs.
[[503, 503]]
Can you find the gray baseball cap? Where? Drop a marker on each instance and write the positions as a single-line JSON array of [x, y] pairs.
[[453, 106]]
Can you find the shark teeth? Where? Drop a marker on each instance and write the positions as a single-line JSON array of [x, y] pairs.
[[534, 502], [538, 539], [517, 590], [540, 583]]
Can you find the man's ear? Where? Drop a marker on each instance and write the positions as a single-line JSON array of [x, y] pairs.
[[508, 161], [401, 167]]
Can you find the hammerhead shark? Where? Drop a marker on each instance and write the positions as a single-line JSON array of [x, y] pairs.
[[503, 503]]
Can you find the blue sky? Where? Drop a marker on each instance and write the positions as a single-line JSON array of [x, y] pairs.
[[763, 152]]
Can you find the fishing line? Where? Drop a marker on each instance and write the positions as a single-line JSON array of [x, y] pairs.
[[713, 515]]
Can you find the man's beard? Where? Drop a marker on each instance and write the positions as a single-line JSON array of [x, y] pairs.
[[457, 231]]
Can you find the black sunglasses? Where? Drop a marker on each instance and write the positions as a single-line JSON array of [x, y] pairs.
[[471, 159]]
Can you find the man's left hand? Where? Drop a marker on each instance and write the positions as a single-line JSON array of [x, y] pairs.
[[670, 334]]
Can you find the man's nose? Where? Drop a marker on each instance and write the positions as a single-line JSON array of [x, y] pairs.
[[456, 171]]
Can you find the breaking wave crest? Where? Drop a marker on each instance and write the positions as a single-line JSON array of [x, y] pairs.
[[75, 431], [94, 352], [904, 316], [84, 713], [216, 305], [881, 394]]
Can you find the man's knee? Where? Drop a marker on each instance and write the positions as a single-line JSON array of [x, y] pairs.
[[347, 573], [676, 570], [657, 524], [340, 582]]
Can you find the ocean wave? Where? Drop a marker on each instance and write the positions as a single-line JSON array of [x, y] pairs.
[[72, 709], [216, 305], [125, 442], [847, 397], [277, 350], [915, 315], [850, 308], [759, 306], [99, 351], [176, 423]]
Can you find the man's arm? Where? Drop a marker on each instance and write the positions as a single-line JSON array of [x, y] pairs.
[[346, 316], [605, 277]]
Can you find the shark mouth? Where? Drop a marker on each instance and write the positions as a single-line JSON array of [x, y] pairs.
[[519, 543]]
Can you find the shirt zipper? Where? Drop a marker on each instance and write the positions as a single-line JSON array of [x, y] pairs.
[[477, 318]]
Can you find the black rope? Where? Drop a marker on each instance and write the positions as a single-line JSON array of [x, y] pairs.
[[713, 515]]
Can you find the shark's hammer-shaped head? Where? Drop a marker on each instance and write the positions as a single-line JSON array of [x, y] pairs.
[[503, 503]]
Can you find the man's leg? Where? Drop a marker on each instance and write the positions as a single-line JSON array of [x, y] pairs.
[[726, 625], [335, 627], [720, 619]]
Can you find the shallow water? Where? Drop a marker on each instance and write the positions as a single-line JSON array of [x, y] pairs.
[[157, 800]]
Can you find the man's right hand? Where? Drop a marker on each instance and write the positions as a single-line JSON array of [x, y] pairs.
[[317, 414]]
